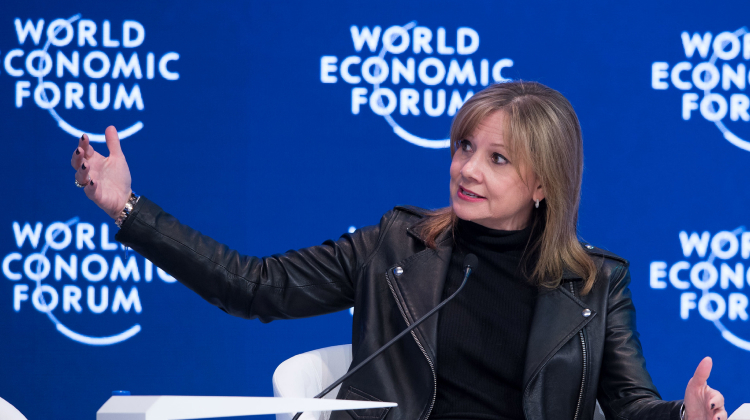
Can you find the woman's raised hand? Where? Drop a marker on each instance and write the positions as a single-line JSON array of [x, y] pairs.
[[701, 401], [106, 179]]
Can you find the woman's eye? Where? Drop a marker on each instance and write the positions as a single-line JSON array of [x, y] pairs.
[[464, 145], [499, 159]]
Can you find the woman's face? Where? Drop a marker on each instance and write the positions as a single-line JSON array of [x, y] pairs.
[[485, 185]]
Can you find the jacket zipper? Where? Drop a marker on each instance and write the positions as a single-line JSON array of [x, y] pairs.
[[583, 377], [419, 344]]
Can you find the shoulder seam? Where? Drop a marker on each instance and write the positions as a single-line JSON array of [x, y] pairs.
[[417, 211], [604, 253], [381, 236]]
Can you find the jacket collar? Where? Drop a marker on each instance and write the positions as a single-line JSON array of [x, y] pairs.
[[558, 313]]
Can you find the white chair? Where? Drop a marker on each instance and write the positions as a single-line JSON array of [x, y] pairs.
[[306, 374], [8, 412]]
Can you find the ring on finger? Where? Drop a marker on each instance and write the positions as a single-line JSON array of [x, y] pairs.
[[79, 185]]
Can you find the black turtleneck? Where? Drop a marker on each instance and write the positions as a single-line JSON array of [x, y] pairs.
[[482, 333]]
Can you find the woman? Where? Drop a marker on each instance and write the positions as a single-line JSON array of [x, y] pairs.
[[542, 330]]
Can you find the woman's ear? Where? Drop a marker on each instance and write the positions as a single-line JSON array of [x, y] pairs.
[[538, 192]]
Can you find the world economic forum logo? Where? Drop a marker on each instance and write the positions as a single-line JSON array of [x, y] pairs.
[[88, 286], [411, 72], [711, 277], [713, 77], [70, 66]]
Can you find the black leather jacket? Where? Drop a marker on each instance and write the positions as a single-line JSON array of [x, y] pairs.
[[581, 348]]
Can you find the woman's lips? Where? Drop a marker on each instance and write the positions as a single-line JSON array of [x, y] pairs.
[[469, 195]]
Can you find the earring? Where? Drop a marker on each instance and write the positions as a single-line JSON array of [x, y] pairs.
[[537, 204]]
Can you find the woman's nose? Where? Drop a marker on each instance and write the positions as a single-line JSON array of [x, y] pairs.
[[472, 169]]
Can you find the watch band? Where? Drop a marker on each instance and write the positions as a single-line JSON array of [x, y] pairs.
[[127, 210]]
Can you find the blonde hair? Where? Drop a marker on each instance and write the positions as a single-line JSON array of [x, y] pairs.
[[543, 132]]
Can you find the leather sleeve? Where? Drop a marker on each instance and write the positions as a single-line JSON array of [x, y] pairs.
[[625, 387], [311, 281]]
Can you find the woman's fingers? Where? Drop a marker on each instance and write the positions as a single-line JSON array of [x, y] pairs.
[[91, 190], [701, 401], [85, 145], [720, 415], [715, 400], [83, 172], [77, 158], [702, 372], [83, 151], [113, 141], [107, 180]]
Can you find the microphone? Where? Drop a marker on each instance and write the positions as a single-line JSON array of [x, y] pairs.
[[470, 265]]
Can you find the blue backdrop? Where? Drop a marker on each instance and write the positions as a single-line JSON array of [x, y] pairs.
[[272, 126]]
